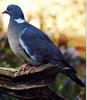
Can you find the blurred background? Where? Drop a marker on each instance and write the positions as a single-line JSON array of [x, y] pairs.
[[64, 22]]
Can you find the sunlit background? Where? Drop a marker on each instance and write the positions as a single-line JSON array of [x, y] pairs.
[[64, 22]]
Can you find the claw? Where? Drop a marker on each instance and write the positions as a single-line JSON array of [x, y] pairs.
[[31, 70], [26, 69]]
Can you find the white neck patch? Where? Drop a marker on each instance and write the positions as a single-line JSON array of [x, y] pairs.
[[19, 20]]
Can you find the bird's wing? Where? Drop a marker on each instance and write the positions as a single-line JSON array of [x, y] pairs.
[[38, 48], [32, 45]]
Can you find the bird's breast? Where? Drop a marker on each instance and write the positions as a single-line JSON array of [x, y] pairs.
[[14, 44]]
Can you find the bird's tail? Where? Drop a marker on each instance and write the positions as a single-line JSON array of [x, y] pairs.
[[73, 76]]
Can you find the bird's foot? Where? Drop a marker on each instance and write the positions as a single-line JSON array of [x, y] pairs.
[[26, 69]]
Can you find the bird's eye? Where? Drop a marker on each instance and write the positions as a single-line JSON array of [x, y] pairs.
[[10, 9]]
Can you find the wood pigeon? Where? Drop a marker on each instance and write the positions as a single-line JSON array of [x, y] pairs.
[[34, 46]]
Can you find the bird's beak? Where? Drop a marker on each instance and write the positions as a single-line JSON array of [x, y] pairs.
[[5, 12]]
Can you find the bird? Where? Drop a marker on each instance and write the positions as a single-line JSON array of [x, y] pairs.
[[33, 45]]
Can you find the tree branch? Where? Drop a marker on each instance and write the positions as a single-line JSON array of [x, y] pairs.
[[30, 86]]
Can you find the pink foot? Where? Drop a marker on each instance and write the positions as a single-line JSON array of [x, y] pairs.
[[26, 69]]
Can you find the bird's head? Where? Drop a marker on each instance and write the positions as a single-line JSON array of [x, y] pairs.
[[14, 11]]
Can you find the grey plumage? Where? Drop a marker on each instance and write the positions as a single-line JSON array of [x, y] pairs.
[[33, 46]]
